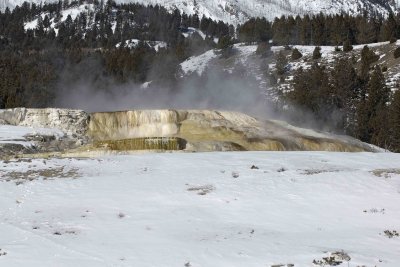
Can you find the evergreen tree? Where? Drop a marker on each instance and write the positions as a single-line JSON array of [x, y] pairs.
[[395, 122], [317, 53], [346, 88], [397, 52], [367, 58], [312, 92], [224, 42], [281, 63], [372, 121], [347, 47], [296, 54]]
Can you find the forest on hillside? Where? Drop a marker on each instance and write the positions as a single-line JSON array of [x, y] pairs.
[[349, 98]]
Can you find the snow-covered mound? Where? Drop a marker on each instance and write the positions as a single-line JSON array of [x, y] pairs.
[[238, 11], [202, 209]]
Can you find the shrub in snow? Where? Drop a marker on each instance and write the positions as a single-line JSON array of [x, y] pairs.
[[347, 47], [281, 63], [296, 54], [317, 53], [397, 52], [264, 50]]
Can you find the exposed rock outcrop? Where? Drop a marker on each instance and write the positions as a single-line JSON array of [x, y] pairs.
[[71, 122]]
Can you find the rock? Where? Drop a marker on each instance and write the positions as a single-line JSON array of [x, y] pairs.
[[235, 175], [71, 122]]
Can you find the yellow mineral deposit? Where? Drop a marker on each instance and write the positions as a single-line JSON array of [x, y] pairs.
[[207, 130], [187, 130]]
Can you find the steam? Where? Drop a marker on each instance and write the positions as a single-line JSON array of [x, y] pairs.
[[215, 89], [236, 89]]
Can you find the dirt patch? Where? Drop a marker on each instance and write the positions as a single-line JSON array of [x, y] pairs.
[[391, 234], [386, 173], [235, 175], [315, 171], [202, 190], [2, 252], [66, 232], [46, 174], [333, 259], [375, 211]]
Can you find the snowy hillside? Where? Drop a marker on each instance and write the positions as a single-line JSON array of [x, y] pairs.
[[238, 11], [255, 67], [202, 209]]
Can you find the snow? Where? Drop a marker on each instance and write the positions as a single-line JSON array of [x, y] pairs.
[[198, 64], [174, 209], [16, 134], [192, 30], [132, 43], [73, 12], [31, 25], [146, 85], [238, 11]]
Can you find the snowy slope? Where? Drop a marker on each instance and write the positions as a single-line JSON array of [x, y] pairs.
[[135, 42], [188, 210], [255, 66], [238, 11]]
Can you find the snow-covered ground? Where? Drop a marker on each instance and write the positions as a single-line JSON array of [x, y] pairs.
[[198, 64], [201, 209], [16, 134], [73, 12], [132, 43]]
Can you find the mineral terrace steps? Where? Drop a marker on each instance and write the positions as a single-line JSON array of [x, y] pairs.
[[187, 130], [146, 143]]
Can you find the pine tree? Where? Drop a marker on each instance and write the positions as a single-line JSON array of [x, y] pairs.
[[224, 42], [317, 53], [296, 54], [347, 47], [365, 31], [312, 92], [346, 88], [388, 29], [397, 52], [372, 119], [367, 58], [281, 63], [395, 122]]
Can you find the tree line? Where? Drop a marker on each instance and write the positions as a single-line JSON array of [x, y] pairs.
[[321, 29], [348, 99]]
